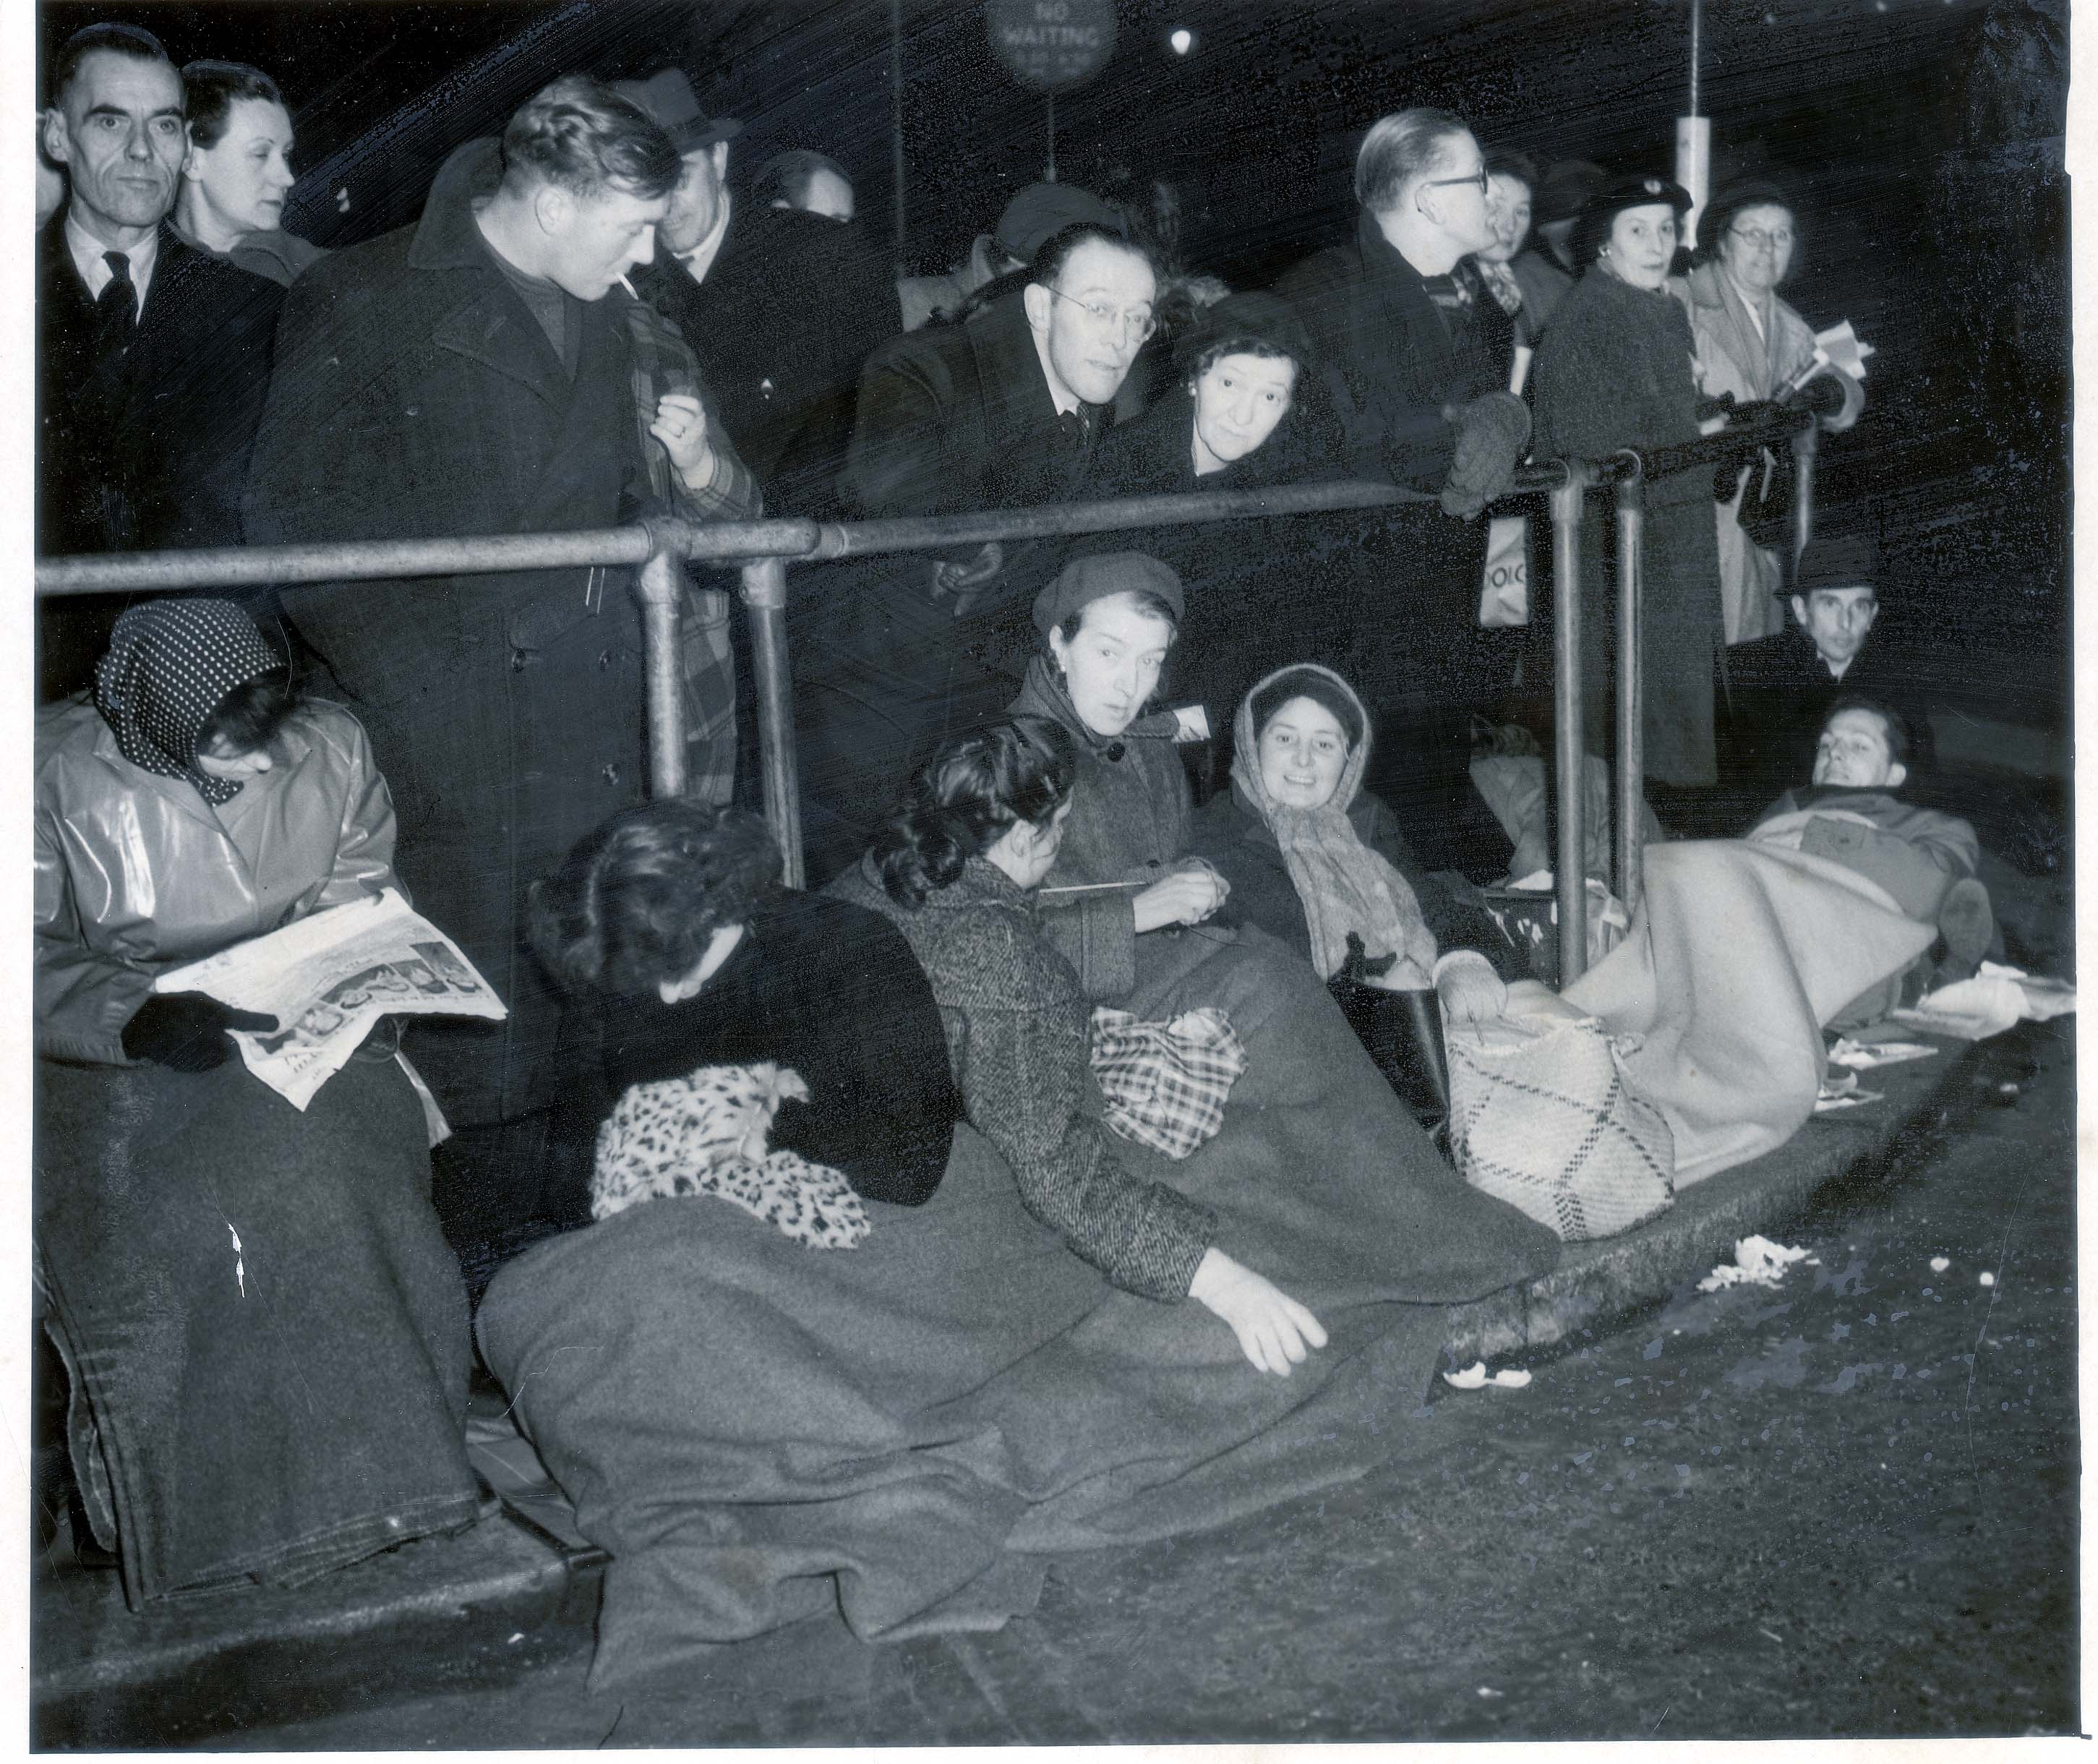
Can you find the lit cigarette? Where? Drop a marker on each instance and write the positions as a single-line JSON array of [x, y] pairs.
[[629, 286]]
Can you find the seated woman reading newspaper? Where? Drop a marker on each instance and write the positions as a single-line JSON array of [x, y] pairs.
[[212, 1259]]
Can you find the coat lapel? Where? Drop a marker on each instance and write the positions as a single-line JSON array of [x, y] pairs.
[[492, 330], [1747, 345]]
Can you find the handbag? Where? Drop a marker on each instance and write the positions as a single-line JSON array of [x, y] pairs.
[[1543, 1116], [1504, 594]]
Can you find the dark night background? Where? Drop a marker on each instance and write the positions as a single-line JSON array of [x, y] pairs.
[[1923, 139]]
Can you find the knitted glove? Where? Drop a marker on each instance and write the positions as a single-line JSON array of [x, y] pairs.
[[1492, 431], [187, 1030]]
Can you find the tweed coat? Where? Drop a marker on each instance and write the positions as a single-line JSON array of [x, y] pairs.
[[1615, 371], [1017, 1039], [416, 396]]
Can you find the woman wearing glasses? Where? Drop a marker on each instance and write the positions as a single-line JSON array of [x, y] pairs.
[[1614, 371], [1750, 342]]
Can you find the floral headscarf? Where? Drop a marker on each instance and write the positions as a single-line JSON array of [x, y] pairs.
[[169, 666]]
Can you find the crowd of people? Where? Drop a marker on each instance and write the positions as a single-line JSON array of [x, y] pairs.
[[1224, 773]]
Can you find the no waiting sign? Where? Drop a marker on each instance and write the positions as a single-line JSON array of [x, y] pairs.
[[1049, 46]]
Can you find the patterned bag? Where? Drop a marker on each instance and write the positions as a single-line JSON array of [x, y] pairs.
[[1166, 1083], [1541, 1115]]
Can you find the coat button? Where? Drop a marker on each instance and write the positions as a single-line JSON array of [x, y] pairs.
[[610, 774], [604, 659], [1153, 862], [516, 661]]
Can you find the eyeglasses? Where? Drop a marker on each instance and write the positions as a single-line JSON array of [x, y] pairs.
[[1140, 323], [1756, 239], [1477, 178]]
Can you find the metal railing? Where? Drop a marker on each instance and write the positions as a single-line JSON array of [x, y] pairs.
[[761, 550]]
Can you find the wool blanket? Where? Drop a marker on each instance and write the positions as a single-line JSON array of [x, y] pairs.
[[265, 1332], [1737, 956], [758, 1433]]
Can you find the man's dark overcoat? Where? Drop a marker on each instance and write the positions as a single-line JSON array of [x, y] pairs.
[[416, 395], [951, 420], [155, 453]]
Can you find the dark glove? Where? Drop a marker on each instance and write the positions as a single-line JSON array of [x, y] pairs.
[[1492, 431], [187, 1030], [1363, 968]]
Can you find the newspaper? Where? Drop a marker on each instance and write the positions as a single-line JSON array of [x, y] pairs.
[[327, 979]]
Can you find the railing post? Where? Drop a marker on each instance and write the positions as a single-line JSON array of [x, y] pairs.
[[1567, 718], [764, 594], [1632, 685], [660, 590], [1806, 445]]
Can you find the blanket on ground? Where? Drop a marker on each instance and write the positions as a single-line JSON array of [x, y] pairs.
[[265, 1332], [758, 1435], [1738, 955]]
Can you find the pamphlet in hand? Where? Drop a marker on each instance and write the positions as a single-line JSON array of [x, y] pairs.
[[328, 978]]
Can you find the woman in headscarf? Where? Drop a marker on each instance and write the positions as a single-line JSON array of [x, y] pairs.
[[1247, 414], [210, 1257], [1750, 344], [1615, 371]]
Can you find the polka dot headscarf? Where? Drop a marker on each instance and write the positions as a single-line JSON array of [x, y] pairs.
[[170, 664]]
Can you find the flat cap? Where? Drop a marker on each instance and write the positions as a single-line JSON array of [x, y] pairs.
[[1085, 579]]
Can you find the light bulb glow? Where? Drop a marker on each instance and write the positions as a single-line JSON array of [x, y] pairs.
[[1181, 41]]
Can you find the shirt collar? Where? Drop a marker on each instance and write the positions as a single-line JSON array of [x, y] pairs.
[[1065, 400], [88, 252], [700, 258]]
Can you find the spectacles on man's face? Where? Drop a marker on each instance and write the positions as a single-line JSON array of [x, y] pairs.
[[1478, 178], [1756, 239], [1139, 324]]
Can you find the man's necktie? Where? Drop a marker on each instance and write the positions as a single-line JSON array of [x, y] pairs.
[[116, 313]]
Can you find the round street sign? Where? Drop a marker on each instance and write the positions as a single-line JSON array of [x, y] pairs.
[[1049, 46]]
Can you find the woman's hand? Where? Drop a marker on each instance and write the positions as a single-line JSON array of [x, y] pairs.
[[1472, 993], [1184, 897], [1274, 1331], [680, 425], [187, 1030]]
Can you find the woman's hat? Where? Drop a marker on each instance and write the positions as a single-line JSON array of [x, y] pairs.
[[1087, 579], [1267, 319], [1745, 193], [1635, 192]]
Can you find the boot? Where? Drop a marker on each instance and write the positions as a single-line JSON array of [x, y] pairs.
[[1403, 1032]]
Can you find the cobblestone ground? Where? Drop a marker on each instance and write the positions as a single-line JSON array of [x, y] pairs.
[[1844, 1507]]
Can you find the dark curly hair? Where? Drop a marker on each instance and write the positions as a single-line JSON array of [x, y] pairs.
[[638, 899], [250, 715], [963, 798]]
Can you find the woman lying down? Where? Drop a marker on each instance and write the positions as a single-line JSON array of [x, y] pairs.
[[810, 1386]]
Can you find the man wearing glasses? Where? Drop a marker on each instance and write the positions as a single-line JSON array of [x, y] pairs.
[[1005, 410], [1421, 404]]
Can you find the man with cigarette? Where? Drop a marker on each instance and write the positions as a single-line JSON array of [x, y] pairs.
[[467, 375]]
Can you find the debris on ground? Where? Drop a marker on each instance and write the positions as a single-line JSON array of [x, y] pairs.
[[1476, 1377], [1938, 1264], [1757, 1261], [1862, 1057]]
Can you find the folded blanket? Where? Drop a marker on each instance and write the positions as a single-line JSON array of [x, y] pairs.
[[1738, 955]]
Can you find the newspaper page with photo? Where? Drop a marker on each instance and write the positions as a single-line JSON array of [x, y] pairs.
[[327, 979]]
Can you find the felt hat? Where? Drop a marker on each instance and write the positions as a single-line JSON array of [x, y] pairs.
[[668, 100], [1841, 558], [1635, 192], [1087, 579], [1564, 191], [1042, 209]]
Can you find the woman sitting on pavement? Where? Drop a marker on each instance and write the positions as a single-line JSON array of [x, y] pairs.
[[759, 1431], [210, 1256], [679, 947]]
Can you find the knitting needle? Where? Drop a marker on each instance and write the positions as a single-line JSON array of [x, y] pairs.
[[1088, 887]]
